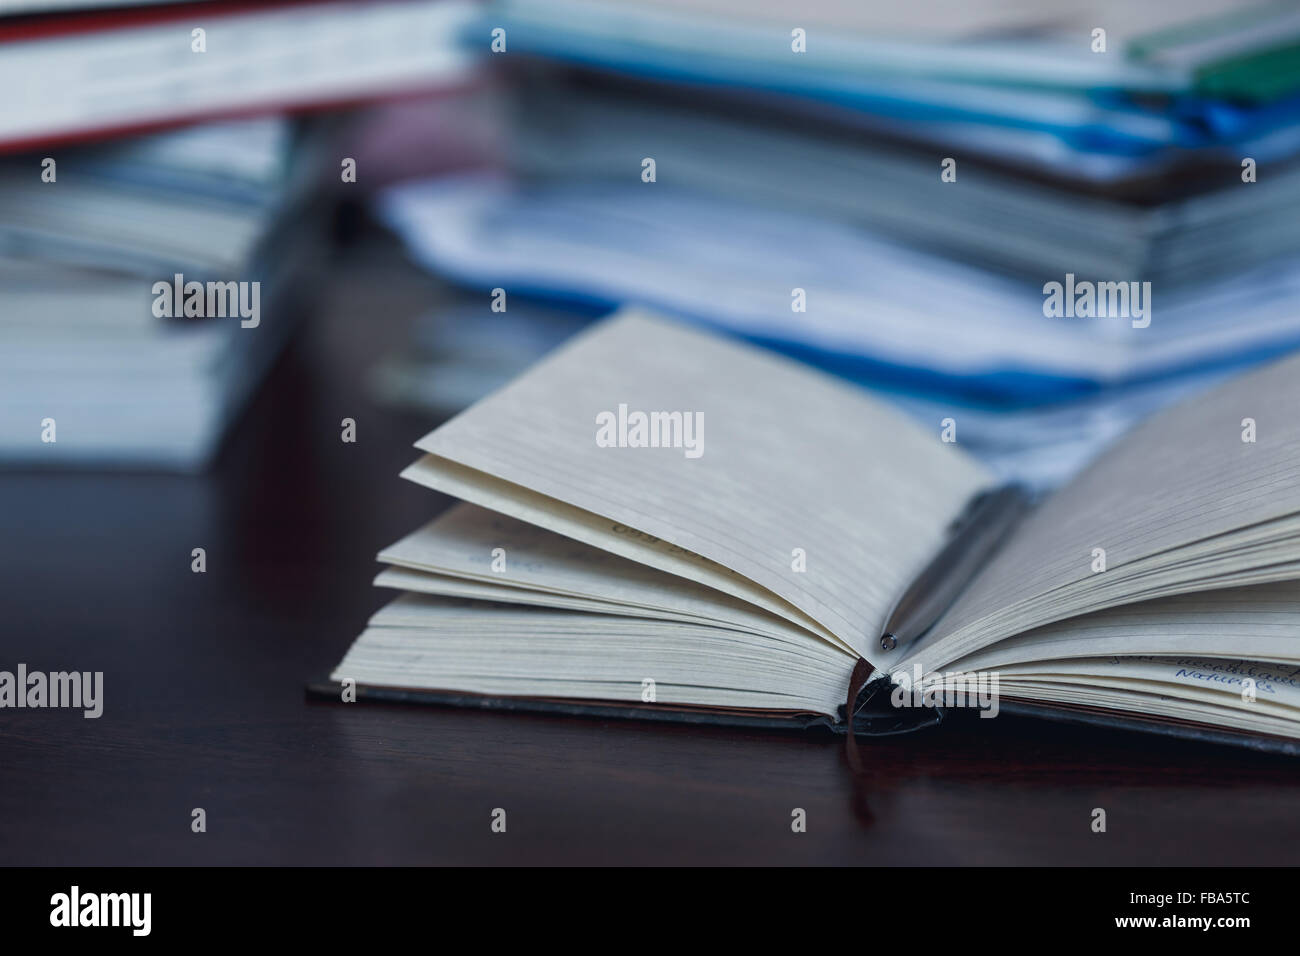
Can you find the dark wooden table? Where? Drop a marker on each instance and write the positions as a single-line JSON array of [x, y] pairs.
[[205, 707]]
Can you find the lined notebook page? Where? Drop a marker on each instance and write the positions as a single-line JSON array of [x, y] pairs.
[[1183, 476], [463, 541], [1261, 619], [795, 469]]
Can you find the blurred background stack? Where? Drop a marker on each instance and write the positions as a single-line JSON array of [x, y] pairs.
[[82, 345], [882, 190], [803, 148], [129, 162]]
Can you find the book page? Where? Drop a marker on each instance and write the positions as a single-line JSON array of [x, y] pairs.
[[772, 473], [1205, 495], [477, 647], [1252, 687], [470, 545], [1148, 698], [1218, 623], [1175, 657]]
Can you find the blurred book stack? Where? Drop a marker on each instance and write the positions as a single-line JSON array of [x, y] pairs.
[[83, 345], [126, 175], [913, 177]]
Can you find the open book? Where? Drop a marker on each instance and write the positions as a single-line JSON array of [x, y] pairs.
[[660, 522]]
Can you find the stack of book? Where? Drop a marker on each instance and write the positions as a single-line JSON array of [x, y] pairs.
[[1041, 222], [101, 366], [155, 251]]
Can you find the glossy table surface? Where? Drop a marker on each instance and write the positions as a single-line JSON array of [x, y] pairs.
[[205, 704]]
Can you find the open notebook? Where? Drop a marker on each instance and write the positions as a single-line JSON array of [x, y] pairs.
[[660, 522]]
